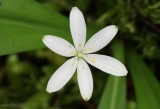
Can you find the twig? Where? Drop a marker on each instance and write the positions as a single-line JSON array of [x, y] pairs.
[[149, 23]]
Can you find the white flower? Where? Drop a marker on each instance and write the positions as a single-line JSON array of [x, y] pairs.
[[81, 51]]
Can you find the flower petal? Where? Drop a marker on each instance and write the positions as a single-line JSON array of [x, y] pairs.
[[78, 28], [100, 39], [107, 64], [59, 45], [85, 80], [62, 75]]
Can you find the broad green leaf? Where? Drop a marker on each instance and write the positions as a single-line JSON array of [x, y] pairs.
[[147, 87], [23, 23], [114, 95]]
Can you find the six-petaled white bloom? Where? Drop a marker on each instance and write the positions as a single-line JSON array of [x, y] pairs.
[[81, 53]]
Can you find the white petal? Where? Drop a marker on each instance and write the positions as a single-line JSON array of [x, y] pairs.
[[107, 64], [100, 39], [78, 28], [85, 80], [62, 75], [59, 45]]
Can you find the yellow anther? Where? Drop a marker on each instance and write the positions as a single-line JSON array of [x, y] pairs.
[[89, 48], [83, 67], [79, 45], [71, 52], [73, 63], [92, 60]]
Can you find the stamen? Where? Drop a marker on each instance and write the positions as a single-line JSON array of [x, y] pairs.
[[89, 48], [79, 45], [92, 60], [73, 63], [71, 52]]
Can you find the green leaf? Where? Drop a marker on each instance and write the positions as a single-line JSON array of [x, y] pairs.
[[114, 95], [23, 23], [147, 87]]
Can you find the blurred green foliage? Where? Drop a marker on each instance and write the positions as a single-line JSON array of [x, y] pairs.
[[23, 76]]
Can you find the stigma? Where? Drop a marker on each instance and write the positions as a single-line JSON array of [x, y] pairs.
[[80, 54]]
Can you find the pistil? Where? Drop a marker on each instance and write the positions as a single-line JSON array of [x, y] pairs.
[[80, 54]]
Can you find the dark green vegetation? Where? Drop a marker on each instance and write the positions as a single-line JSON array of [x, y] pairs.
[[25, 67]]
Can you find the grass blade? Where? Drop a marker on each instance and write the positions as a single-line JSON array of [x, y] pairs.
[[114, 95], [147, 87]]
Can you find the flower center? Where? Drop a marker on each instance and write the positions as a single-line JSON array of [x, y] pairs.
[[80, 54]]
